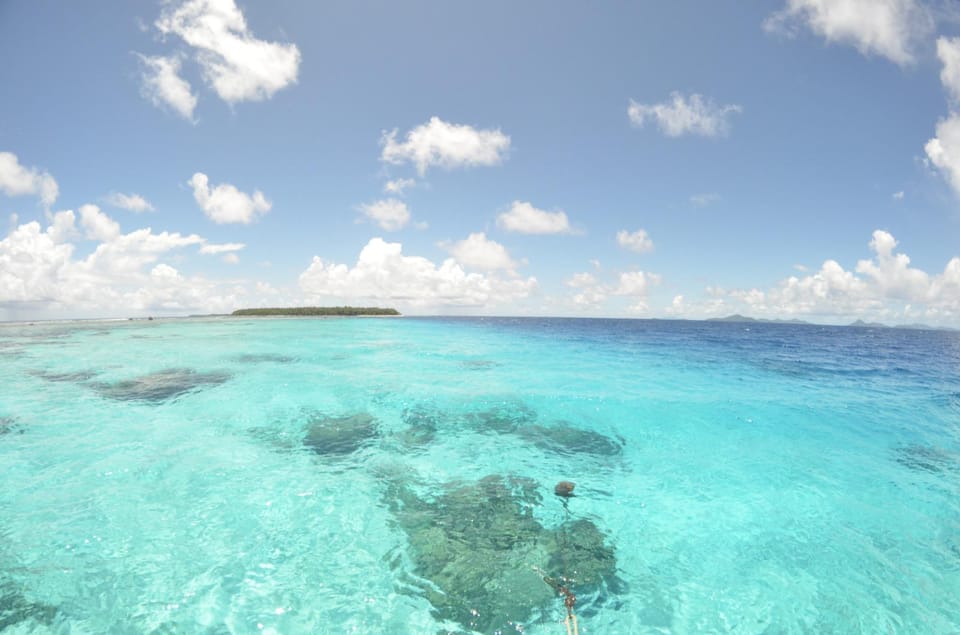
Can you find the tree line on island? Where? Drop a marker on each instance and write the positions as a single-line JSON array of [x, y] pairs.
[[318, 310]]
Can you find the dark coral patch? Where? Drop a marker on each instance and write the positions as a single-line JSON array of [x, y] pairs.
[[568, 440], [503, 417], [17, 610], [479, 364], [488, 562], [422, 424], [925, 458], [162, 385], [79, 376], [260, 358], [341, 435], [9, 425]]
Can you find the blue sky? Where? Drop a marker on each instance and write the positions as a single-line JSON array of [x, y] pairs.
[[791, 159]]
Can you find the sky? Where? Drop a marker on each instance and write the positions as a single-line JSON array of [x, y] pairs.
[[791, 159]]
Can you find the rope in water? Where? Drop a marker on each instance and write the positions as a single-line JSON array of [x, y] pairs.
[[564, 489]]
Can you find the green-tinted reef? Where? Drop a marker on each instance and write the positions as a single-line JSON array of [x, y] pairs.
[[482, 556]]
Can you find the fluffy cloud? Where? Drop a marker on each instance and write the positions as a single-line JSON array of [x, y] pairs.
[[476, 251], [884, 287], [446, 145], [17, 180], [383, 274], [889, 28], [227, 204], [40, 276], [390, 214], [635, 283], [591, 293], [30, 264], [948, 50], [161, 83], [130, 202], [702, 200], [221, 249], [681, 115], [397, 186], [637, 241], [943, 150], [524, 218], [98, 225], [239, 66]]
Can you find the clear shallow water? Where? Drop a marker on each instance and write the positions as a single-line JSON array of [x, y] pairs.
[[284, 476]]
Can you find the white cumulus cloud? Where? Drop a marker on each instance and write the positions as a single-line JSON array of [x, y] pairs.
[[390, 214], [635, 283], [382, 273], [889, 28], [681, 115], [239, 66], [39, 274], [98, 225], [397, 186], [702, 200], [129, 202], [161, 83], [447, 145], [884, 287], [592, 293], [222, 248], [17, 180], [948, 50], [943, 150], [225, 203], [524, 218], [476, 251], [637, 241]]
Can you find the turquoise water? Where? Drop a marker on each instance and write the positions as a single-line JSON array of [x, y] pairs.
[[344, 476]]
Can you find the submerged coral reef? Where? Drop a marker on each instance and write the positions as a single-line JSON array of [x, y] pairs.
[[567, 440], [341, 435], [482, 557], [161, 385]]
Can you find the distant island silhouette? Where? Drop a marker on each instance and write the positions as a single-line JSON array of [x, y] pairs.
[[316, 310]]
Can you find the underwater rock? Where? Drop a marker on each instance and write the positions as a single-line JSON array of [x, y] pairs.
[[257, 358], [565, 439], [502, 418], [479, 364], [341, 435], [16, 609], [79, 376], [925, 458], [422, 425], [8, 425], [564, 488], [484, 556], [161, 385]]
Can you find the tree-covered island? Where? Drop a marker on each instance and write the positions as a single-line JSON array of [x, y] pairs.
[[302, 311]]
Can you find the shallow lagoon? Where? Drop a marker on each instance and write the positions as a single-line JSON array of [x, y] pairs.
[[369, 476]]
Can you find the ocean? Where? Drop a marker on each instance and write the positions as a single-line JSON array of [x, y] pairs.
[[278, 475]]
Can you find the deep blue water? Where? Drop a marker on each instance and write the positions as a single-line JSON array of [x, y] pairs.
[[397, 475]]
